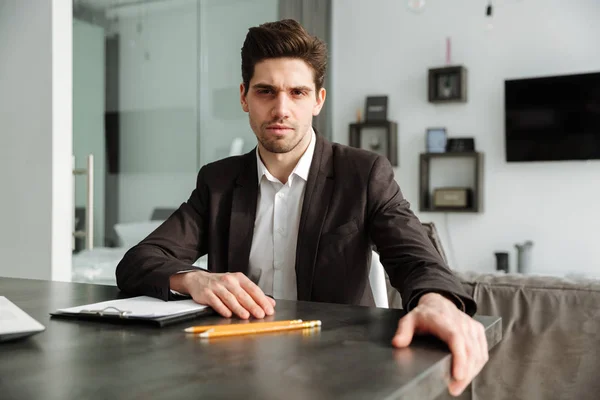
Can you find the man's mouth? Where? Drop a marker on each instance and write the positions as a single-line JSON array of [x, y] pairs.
[[280, 129]]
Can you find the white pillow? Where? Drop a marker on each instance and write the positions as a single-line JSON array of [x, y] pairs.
[[131, 233]]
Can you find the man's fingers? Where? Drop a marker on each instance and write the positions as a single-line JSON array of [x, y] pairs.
[[230, 293], [479, 346], [452, 334], [231, 302], [457, 346], [483, 345], [212, 300], [405, 332], [233, 283], [457, 387], [475, 353], [474, 350], [248, 302], [464, 336], [264, 301], [476, 357], [461, 368]]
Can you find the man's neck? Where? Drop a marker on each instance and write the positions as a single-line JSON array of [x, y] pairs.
[[281, 165]]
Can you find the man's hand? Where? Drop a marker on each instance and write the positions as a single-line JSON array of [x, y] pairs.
[[227, 294], [464, 336]]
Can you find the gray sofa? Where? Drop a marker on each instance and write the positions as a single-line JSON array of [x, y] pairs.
[[550, 346], [551, 337]]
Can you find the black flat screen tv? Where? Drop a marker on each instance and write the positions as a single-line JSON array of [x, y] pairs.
[[552, 118]]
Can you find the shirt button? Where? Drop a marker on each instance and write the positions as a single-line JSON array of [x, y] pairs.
[[281, 195]]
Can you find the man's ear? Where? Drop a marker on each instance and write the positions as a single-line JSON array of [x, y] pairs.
[[243, 101], [320, 101]]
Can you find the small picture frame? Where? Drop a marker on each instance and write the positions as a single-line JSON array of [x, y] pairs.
[[447, 84], [376, 108], [436, 140], [377, 137]]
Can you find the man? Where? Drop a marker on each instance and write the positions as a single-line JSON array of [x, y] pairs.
[[300, 216]]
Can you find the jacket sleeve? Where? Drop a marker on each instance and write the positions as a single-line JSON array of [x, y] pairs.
[[412, 263], [173, 247]]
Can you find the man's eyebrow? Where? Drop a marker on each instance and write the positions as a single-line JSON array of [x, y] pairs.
[[263, 86], [302, 88], [271, 87]]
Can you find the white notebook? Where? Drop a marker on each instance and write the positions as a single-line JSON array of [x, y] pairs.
[[138, 308], [16, 323]]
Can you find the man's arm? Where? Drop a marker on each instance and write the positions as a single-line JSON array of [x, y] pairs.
[[410, 260], [172, 248], [431, 294], [163, 262]]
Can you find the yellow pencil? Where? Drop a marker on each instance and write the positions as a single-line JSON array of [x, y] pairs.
[[252, 329], [204, 328]]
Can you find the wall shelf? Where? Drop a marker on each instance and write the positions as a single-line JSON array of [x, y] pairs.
[[425, 190], [447, 84], [381, 138]]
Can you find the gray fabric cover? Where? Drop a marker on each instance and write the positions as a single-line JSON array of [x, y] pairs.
[[551, 342], [551, 337], [550, 347]]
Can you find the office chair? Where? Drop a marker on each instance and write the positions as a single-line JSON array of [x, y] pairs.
[[384, 293], [378, 281]]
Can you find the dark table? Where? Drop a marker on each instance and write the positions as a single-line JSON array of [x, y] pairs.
[[349, 358]]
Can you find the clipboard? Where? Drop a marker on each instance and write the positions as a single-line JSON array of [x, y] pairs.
[[141, 309]]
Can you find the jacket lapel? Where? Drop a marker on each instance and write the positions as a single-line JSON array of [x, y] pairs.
[[317, 195], [243, 214]]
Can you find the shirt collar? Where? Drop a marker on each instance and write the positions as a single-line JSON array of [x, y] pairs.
[[301, 169]]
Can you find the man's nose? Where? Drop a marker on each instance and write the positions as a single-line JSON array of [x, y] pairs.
[[281, 107]]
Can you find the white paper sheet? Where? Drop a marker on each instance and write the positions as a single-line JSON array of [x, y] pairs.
[[141, 306]]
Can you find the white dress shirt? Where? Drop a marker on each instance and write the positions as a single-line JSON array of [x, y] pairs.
[[273, 251]]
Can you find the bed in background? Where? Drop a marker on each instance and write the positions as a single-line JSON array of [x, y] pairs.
[[98, 265]]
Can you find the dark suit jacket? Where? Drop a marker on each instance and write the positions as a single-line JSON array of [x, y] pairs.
[[351, 203]]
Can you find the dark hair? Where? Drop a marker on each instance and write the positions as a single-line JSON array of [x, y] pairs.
[[285, 38]]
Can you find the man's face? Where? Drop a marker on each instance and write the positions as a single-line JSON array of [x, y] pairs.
[[281, 103]]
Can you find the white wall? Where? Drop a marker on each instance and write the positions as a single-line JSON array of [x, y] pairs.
[[35, 135], [379, 47]]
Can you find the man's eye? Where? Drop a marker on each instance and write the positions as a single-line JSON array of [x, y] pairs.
[[298, 93], [264, 91]]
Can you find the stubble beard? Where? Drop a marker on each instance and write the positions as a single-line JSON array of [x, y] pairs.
[[283, 144]]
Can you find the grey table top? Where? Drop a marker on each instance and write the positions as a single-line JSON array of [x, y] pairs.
[[349, 358]]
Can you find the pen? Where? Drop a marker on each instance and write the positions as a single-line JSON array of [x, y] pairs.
[[204, 328], [251, 329]]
